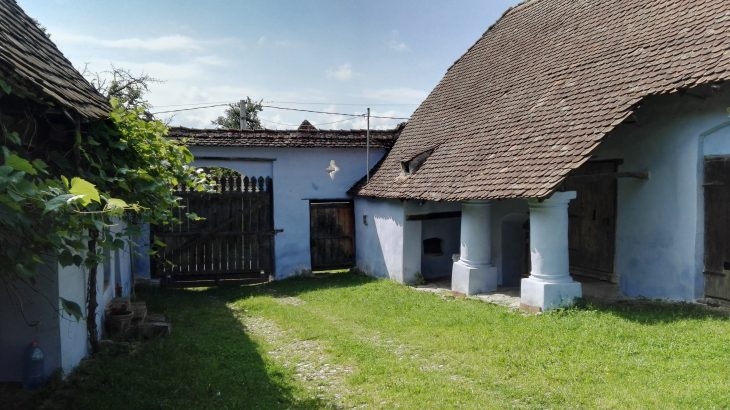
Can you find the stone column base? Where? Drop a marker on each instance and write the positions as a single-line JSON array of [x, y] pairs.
[[471, 280], [536, 295]]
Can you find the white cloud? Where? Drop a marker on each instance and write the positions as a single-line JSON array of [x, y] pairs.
[[396, 44], [343, 72], [263, 41], [174, 42]]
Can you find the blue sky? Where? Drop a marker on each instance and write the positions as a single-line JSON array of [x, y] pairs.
[[334, 55]]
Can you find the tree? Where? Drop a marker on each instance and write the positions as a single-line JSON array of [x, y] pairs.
[[231, 117], [120, 83]]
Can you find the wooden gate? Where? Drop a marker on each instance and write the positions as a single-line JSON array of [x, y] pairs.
[[332, 235], [592, 220], [717, 227], [235, 240]]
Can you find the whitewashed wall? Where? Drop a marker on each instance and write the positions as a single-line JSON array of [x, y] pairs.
[[299, 176], [390, 246], [379, 237], [62, 338], [660, 221]]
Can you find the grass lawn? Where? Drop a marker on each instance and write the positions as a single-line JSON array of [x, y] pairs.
[[346, 341]]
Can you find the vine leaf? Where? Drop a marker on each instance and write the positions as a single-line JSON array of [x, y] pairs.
[[19, 164], [59, 201], [80, 186], [72, 308], [116, 206]]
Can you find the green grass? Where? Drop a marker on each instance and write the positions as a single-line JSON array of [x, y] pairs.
[[408, 349]]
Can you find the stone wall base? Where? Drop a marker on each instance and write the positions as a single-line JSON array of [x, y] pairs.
[[536, 294], [471, 280]]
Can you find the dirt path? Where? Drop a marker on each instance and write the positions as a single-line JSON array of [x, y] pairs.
[[308, 359]]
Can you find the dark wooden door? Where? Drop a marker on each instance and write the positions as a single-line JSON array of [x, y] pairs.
[[717, 227], [332, 235], [592, 219], [234, 240]]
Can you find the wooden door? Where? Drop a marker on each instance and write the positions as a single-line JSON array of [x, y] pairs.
[[332, 235], [592, 219], [717, 227]]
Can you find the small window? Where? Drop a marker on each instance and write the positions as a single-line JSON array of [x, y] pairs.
[[432, 246], [411, 166]]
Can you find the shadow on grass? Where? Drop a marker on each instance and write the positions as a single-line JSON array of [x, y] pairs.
[[652, 312], [295, 286], [208, 362]]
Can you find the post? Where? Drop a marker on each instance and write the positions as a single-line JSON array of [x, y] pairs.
[[242, 115], [367, 150], [550, 284], [474, 273]]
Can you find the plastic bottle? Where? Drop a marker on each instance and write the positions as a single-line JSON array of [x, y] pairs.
[[33, 367]]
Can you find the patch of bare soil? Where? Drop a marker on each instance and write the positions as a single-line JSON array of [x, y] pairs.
[[289, 300], [307, 358]]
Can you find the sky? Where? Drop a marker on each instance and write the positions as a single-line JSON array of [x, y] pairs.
[[338, 56]]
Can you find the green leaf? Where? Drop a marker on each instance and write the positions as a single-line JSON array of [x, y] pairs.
[[10, 203], [7, 89], [59, 201], [13, 137], [19, 164], [66, 258], [72, 308], [115, 206], [80, 186], [40, 165], [116, 203]]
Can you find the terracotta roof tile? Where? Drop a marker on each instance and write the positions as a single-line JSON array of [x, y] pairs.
[[537, 93], [29, 56]]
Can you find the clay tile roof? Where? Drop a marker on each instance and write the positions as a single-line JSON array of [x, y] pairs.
[[533, 97], [285, 138], [306, 126], [28, 58]]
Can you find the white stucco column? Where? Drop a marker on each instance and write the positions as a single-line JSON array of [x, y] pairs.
[[549, 285], [473, 272]]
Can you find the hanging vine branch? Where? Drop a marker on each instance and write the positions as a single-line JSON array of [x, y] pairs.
[[121, 173]]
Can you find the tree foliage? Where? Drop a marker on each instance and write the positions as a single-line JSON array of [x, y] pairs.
[[61, 204], [231, 117], [128, 88]]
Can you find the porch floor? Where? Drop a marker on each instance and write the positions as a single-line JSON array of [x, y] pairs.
[[593, 289]]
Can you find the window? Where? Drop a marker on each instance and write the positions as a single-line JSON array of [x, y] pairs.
[[432, 246], [411, 166]]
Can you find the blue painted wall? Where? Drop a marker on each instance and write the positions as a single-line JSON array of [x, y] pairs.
[[659, 237], [299, 176]]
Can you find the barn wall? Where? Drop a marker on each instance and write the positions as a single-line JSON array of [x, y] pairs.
[[659, 228], [379, 237], [299, 176]]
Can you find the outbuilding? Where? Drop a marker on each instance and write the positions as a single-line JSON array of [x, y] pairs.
[[304, 175], [574, 141]]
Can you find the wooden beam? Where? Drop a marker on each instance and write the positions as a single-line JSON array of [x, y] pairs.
[[615, 175], [434, 215]]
